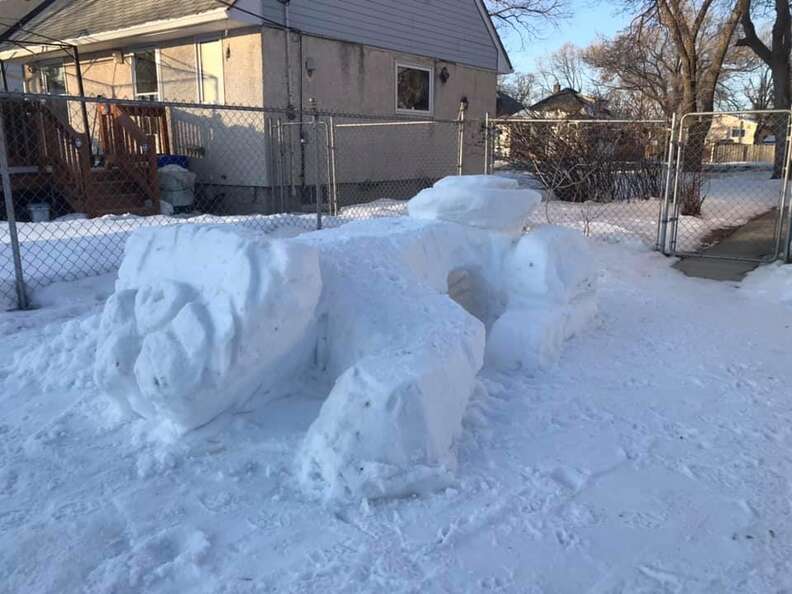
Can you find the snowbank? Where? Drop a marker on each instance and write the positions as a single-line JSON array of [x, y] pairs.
[[486, 202], [772, 282], [201, 318]]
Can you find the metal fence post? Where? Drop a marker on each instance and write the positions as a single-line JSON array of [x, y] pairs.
[[331, 137], [486, 144], [662, 225], [317, 172], [461, 139], [22, 302], [674, 204], [785, 204]]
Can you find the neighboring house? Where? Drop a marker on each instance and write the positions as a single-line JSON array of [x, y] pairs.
[[740, 129], [411, 58], [741, 138], [507, 106], [562, 104], [569, 104]]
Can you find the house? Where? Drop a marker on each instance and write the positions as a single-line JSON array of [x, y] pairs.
[[741, 138], [562, 104], [739, 129], [569, 104], [408, 59]]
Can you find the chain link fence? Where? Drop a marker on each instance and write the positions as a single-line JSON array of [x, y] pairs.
[[606, 178], [731, 172], [80, 175], [381, 165]]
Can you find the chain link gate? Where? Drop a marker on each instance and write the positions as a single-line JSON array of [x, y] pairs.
[[729, 195]]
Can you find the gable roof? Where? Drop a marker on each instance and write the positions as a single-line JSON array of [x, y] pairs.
[[555, 101], [507, 105], [96, 22]]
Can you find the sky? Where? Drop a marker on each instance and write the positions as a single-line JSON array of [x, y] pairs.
[[589, 19]]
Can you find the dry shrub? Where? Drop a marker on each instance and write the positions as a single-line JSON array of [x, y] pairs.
[[580, 161]]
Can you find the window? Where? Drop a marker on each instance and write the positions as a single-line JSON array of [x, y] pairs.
[[210, 71], [145, 77], [53, 79], [414, 89], [738, 132]]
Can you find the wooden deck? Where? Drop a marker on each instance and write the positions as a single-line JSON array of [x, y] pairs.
[[52, 162]]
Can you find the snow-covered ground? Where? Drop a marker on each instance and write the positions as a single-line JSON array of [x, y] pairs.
[[733, 196], [653, 458]]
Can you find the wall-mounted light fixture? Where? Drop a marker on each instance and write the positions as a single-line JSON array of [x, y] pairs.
[[118, 56], [444, 75], [310, 67]]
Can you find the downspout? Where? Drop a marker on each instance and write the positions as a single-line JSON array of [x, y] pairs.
[[287, 35], [3, 74], [301, 115]]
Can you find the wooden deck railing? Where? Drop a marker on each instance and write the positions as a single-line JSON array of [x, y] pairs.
[[129, 149], [68, 154], [153, 120]]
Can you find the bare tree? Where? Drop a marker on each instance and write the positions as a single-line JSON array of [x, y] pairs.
[[522, 86], [777, 58], [701, 66], [526, 17], [641, 68], [564, 68]]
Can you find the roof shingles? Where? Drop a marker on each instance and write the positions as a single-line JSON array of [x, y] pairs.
[[71, 19]]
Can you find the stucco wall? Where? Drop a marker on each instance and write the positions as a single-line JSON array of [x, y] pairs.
[[353, 78]]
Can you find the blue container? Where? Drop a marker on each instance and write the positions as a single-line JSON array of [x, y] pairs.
[[180, 160]]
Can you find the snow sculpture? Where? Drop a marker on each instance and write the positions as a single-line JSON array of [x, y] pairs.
[[203, 316], [397, 314], [406, 369]]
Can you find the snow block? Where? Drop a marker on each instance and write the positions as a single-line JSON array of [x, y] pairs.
[[550, 281], [485, 202], [478, 182], [202, 317], [532, 338], [389, 425]]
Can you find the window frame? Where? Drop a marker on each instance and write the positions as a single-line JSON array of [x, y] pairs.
[[221, 99], [146, 96], [740, 132], [431, 71], [45, 84]]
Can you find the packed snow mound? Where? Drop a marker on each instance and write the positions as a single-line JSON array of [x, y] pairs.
[[550, 281], [553, 263], [202, 317], [495, 204], [404, 356]]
